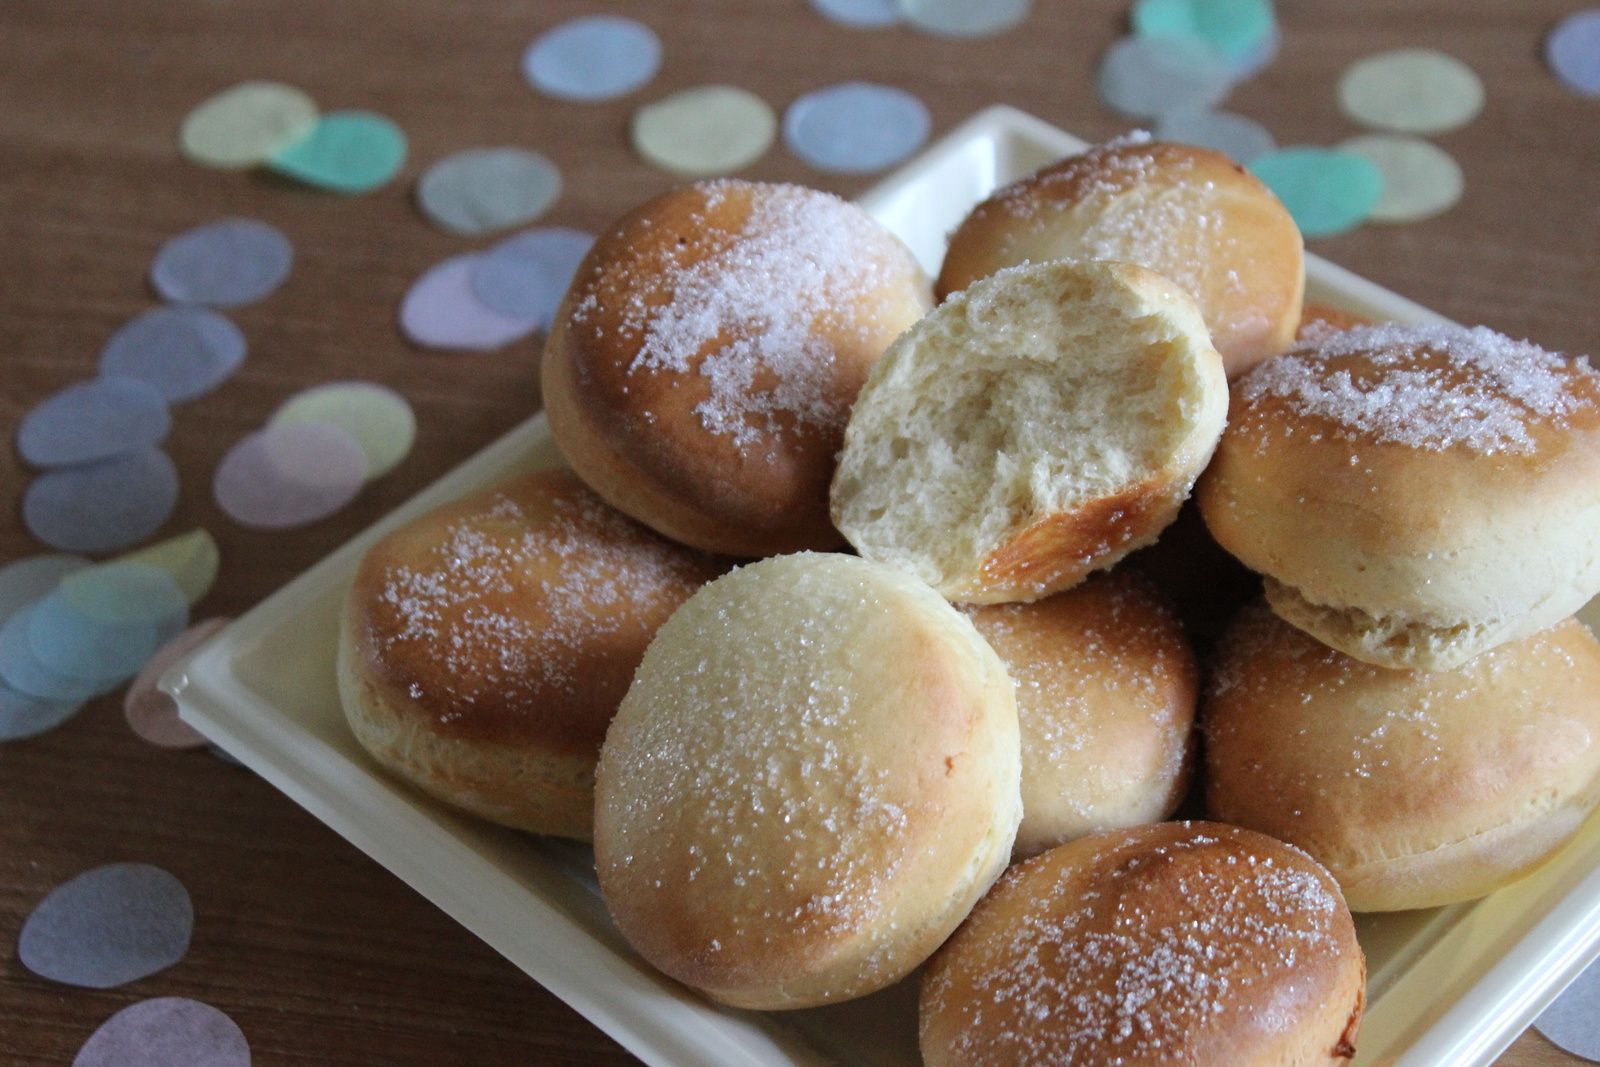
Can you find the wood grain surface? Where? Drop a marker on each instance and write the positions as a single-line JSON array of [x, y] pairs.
[[320, 955]]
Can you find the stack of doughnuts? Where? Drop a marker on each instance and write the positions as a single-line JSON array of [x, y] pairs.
[[953, 644]]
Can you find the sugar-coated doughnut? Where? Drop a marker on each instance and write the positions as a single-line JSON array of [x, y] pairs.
[[1414, 495], [486, 645], [1106, 687], [1192, 943], [812, 779], [1188, 213], [1031, 430], [1319, 320], [1415, 788], [701, 368]]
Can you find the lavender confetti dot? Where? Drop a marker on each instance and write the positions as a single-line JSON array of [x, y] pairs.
[[108, 926], [222, 264]]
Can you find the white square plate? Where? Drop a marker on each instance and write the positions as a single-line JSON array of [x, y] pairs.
[[1450, 986]]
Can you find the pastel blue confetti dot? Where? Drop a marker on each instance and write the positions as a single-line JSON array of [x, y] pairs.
[[595, 58], [26, 581], [862, 14], [346, 152], [1259, 58], [1149, 76], [1573, 51], [1241, 139], [1327, 191], [856, 127], [21, 670], [182, 352], [1572, 1021], [965, 18], [222, 264], [105, 506], [108, 926], [107, 620], [524, 277], [23, 716], [93, 420]]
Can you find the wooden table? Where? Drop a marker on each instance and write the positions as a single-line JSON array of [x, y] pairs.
[[320, 955]]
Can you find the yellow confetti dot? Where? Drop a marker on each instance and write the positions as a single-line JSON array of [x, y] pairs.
[[244, 126], [192, 559]]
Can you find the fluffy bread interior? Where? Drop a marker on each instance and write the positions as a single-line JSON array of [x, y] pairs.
[[1034, 393]]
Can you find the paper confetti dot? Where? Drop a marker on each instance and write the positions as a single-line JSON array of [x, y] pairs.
[[183, 352], [93, 420], [710, 129], [23, 716], [1573, 51], [965, 18], [290, 475], [524, 277], [191, 559], [376, 416], [25, 581], [439, 311], [1420, 179], [166, 1032], [102, 507], [1236, 28], [108, 926], [1411, 90], [222, 264], [21, 670], [862, 14], [1326, 191], [1260, 57], [1572, 1021], [1241, 139], [481, 190], [152, 714], [346, 152], [1150, 76], [595, 58], [856, 127], [243, 126], [107, 620]]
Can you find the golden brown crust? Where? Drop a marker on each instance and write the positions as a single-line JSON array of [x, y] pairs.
[[1106, 688], [1317, 320], [700, 370], [1175, 943], [1188, 213], [1416, 788]]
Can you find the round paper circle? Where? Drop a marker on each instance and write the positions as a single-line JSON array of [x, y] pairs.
[[594, 58], [93, 420], [1573, 51], [1239, 138], [191, 559], [862, 14], [108, 926], [152, 714], [1326, 191], [481, 190], [182, 352], [440, 311], [1572, 1021], [524, 277], [290, 475], [856, 127], [965, 18], [223, 264], [1236, 28], [107, 620], [346, 152], [243, 126], [23, 716], [710, 129], [1411, 90], [376, 416], [102, 507], [166, 1032], [26, 581], [1420, 179], [1150, 76], [21, 670], [1258, 58]]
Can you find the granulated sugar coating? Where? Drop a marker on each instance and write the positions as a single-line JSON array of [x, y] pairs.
[[1182, 943], [1426, 387], [533, 596]]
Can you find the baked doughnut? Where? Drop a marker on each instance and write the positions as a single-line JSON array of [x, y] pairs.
[[1414, 495], [810, 783], [1415, 788], [1177, 943], [1319, 320], [701, 368], [1032, 429], [486, 645], [1188, 213], [1106, 687]]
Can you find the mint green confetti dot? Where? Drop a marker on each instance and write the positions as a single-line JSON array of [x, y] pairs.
[[346, 151], [1164, 18], [1326, 191], [1235, 28]]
